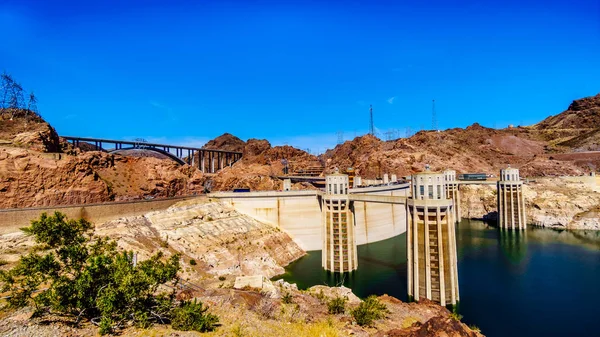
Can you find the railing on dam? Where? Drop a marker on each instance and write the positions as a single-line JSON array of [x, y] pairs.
[[382, 199]]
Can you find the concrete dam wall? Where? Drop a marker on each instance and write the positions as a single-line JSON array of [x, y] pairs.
[[13, 219], [299, 213]]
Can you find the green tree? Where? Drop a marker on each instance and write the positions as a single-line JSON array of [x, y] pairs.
[[72, 273], [337, 305]]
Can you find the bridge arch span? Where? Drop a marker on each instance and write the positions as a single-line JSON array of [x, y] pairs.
[[165, 153]]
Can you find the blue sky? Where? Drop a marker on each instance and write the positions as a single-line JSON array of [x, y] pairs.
[[297, 72]]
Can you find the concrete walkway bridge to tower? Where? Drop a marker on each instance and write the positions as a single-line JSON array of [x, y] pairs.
[[207, 160]]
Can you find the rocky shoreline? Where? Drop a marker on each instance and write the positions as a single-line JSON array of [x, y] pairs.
[[550, 202]]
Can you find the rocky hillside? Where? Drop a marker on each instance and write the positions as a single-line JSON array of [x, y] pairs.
[[37, 168], [260, 166], [224, 244], [220, 240], [226, 142], [474, 149], [29, 178], [582, 114], [24, 129], [549, 202], [478, 149]]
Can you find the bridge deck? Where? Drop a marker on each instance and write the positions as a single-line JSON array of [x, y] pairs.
[[207, 160]]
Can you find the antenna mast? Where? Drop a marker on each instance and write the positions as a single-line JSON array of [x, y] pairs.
[[371, 127], [433, 117]]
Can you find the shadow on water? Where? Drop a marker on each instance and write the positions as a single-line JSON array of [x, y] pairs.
[[381, 270]]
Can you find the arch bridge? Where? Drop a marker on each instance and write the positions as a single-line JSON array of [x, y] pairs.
[[207, 160]]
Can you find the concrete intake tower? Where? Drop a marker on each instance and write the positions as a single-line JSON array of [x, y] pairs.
[[339, 240], [511, 204], [431, 240], [453, 192]]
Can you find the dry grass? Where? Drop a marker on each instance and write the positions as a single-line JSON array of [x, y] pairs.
[[409, 321]]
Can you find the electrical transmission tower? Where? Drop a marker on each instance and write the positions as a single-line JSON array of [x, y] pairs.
[[433, 116], [371, 127], [340, 135]]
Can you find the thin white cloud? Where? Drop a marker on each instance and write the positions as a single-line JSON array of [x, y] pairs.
[[391, 99], [159, 105], [166, 108]]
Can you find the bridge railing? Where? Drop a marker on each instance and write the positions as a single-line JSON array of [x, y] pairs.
[[207, 160]]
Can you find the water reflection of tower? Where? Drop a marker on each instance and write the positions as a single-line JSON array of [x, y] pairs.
[[513, 245], [339, 242], [431, 241]]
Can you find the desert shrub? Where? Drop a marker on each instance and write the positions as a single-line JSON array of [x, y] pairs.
[[320, 296], [82, 277], [192, 315], [456, 316], [287, 298], [474, 328], [369, 310], [192, 262], [3, 262], [337, 305], [265, 308], [222, 278]]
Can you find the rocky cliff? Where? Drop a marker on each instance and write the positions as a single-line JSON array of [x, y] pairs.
[[29, 178], [260, 166], [226, 142], [550, 202], [24, 129], [220, 240]]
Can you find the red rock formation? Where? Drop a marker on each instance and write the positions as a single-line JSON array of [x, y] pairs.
[[30, 179], [27, 130], [226, 142], [539, 150]]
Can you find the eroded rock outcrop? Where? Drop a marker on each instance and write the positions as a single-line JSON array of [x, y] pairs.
[[550, 202], [29, 178], [219, 239], [24, 129]]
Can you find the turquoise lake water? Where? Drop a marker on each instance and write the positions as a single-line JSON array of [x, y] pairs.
[[539, 282]]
